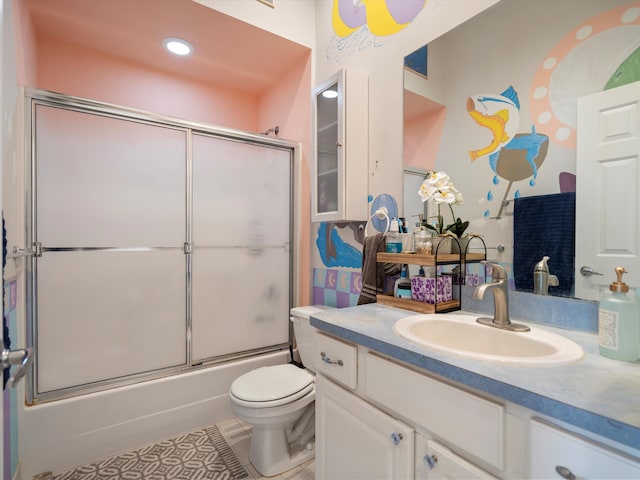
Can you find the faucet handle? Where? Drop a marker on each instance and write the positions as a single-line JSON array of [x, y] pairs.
[[497, 271]]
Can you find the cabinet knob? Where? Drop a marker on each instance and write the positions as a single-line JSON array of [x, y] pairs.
[[565, 473], [338, 144], [326, 359], [431, 460], [396, 438]]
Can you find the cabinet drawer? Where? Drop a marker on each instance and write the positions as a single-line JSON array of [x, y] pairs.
[[336, 359], [471, 423], [552, 447]]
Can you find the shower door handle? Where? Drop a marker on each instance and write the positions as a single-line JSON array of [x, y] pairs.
[[22, 358]]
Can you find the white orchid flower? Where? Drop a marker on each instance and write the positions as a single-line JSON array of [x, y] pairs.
[[437, 186]]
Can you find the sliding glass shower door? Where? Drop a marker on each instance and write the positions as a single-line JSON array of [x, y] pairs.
[[110, 215], [241, 239], [156, 246]]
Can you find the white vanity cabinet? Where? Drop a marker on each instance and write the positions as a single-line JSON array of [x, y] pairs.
[[556, 454], [339, 182], [378, 419], [357, 441], [371, 408]]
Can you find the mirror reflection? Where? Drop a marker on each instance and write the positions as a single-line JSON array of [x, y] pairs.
[[327, 174], [496, 108]]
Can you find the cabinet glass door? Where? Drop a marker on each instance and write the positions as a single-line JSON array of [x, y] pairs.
[[327, 145]]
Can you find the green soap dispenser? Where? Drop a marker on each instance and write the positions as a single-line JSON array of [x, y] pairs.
[[619, 322]]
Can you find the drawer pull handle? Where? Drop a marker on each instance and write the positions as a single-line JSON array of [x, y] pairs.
[[565, 473], [431, 460], [396, 438], [326, 359]]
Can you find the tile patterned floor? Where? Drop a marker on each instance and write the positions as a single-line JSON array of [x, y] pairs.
[[198, 455], [238, 435]]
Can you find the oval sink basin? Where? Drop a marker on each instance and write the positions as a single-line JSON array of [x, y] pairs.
[[462, 335]]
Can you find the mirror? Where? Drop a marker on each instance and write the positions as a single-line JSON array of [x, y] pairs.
[[496, 79]]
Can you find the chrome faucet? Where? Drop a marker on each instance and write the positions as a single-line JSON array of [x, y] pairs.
[[500, 288]]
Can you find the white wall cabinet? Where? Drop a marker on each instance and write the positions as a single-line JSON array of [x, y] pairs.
[[339, 182], [357, 441]]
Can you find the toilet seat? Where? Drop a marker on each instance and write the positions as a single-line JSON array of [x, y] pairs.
[[271, 386]]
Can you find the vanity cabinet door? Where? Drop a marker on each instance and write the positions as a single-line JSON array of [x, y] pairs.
[[354, 440], [435, 461], [339, 183], [557, 454]]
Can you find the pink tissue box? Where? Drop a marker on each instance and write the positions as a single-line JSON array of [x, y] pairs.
[[423, 289]]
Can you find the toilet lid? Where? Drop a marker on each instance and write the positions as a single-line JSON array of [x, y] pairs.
[[267, 384]]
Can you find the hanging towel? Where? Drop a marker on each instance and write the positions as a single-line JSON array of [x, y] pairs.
[[373, 273], [5, 324], [544, 225]]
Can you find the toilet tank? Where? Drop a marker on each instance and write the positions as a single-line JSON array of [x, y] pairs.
[[304, 332]]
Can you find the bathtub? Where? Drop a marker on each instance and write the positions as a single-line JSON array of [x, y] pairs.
[[63, 434]]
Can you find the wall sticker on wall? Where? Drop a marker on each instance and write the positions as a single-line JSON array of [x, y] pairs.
[[359, 24], [336, 252], [512, 156], [603, 52]]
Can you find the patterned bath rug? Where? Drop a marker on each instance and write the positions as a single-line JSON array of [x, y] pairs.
[[199, 455]]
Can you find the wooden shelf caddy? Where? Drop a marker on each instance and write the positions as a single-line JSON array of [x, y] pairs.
[[415, 306], [416, 259], [425, 260]]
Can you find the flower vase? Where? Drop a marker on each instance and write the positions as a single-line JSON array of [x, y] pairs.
[[460, 246], [441, 245]]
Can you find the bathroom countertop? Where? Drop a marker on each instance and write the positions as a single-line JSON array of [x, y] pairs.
[[597, 394]]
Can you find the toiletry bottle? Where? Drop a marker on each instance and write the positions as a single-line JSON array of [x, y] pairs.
[[619, 322], [392, 238], [402, 287]]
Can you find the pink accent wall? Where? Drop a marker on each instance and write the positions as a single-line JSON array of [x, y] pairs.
[[422, 139], [68, 69], [25, 44], [288, 105]]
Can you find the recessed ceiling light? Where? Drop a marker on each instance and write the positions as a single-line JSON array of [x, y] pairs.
[[177, 46], [329, 94]]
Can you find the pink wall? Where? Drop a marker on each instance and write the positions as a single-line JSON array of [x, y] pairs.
[[26, 45], [64, 68], [288, 105], [422, 139]]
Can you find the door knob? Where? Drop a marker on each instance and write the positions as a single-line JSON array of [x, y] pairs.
[[587, 271], [22, 358]]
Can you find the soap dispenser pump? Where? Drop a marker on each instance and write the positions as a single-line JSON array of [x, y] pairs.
[[542, 279], [619, 322], [541, 276]]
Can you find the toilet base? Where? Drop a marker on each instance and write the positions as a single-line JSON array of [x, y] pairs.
[[263, 459], [276, 448]]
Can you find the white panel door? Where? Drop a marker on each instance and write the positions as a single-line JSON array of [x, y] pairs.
[[607, 192], [241, 246]]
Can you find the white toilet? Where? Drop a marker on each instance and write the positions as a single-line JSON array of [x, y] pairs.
[[279, 402]]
